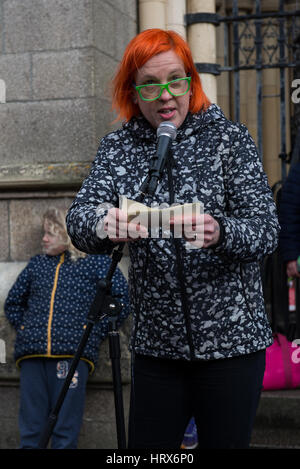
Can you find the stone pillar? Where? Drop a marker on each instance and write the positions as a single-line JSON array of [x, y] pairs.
[[57, 59], [175, 16], [152, 14], [202, 41]]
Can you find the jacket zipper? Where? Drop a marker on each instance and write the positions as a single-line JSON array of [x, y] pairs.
[[61, 260]]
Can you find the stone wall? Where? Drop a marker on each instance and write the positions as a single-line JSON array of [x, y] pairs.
[[57, 58]]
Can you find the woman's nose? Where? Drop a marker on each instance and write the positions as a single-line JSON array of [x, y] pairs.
[[165, 96]]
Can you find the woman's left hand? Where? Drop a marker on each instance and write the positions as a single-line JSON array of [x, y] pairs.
[[201, 231]]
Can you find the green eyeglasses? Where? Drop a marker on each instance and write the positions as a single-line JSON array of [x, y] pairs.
[[153, 91]]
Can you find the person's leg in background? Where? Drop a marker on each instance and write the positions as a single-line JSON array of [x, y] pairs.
[[34, 402], [66, 431], [225, 400]]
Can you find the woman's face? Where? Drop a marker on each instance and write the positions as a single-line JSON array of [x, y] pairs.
[[163, 68]]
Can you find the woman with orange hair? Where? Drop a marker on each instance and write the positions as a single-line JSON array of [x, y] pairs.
[[199, 325], [140, 50]]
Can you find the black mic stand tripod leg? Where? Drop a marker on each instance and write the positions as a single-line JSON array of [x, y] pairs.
[[148, 187], [104, 305], [115, 355]]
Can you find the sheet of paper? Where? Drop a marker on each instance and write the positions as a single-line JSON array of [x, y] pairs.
[[160, 216]]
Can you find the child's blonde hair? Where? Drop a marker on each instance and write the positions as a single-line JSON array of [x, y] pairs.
[[56, 219]]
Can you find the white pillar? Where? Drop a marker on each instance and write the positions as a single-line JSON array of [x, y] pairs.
[[202, 41], [176, 10], [152, 14]]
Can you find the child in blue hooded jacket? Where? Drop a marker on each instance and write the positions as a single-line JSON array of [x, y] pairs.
[[48, 307]]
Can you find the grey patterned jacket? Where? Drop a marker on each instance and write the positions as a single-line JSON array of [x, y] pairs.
[[216, 162]]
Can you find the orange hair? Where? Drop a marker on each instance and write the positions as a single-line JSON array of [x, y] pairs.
[[139, 50]]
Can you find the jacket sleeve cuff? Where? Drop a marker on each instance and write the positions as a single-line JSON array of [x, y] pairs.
[[222, 233]]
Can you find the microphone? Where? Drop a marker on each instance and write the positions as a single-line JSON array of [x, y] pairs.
[[166, 133]]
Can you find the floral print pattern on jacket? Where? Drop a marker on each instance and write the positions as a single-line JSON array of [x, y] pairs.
[[49, 303], [215, 161]]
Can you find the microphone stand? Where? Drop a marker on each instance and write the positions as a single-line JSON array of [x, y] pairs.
[[104, 305]]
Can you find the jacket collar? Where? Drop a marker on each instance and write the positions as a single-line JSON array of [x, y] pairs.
[[142, 130], [57, 258]]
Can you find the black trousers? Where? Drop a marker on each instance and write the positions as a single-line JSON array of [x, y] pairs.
[[222, 395]]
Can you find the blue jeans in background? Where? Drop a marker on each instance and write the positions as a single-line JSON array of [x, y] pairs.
[[41, 381]]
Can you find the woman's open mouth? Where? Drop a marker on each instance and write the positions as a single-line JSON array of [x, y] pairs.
[[167, 113]]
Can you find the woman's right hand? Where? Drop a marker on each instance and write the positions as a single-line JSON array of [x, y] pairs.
[[119, 230]]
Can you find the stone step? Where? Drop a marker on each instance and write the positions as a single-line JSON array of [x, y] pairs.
[[277, 423]]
